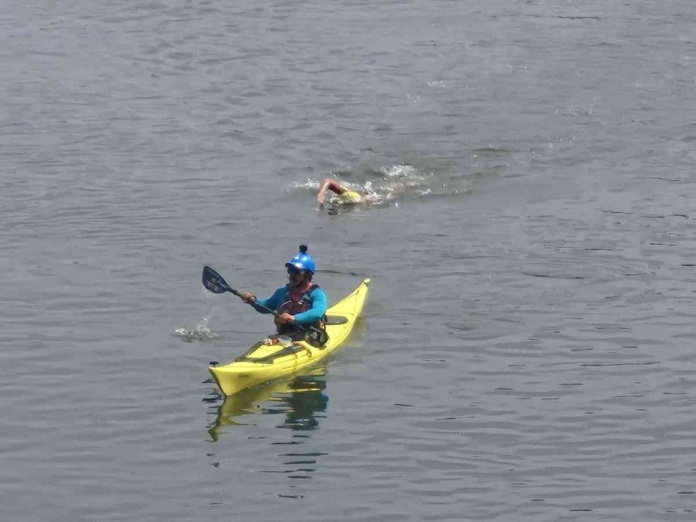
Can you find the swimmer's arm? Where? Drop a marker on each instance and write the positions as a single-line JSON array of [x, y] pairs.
[[326, 185]]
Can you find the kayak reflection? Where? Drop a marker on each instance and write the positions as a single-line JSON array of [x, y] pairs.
[[299, 399]]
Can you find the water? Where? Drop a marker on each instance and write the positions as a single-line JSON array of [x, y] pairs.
[[525, 351]]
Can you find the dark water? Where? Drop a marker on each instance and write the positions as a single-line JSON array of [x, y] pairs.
[[527, 348]]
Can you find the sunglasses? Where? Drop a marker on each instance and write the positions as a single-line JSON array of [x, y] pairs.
[[295, 271]]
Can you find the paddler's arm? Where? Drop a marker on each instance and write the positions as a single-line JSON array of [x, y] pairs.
[[317, 311], [271, 302]]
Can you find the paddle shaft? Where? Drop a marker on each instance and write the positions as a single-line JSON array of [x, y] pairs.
[[264, 308]]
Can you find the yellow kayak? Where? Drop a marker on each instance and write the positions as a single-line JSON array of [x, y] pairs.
[[264, 362]]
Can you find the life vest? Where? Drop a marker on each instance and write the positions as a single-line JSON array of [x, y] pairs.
[[299, 301]]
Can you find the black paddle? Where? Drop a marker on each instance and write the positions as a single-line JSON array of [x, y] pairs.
[[216, 283]]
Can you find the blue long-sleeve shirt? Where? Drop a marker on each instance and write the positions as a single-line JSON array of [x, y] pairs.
[[317, 310]]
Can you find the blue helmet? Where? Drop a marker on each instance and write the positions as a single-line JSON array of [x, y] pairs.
[[302, 261]]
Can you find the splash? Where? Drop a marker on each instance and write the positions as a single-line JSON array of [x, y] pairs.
[[310, 184], [387, 185], [390, 184], [401, 171], [199, 333]]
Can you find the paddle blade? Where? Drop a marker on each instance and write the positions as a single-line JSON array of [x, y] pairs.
[[214, 282]]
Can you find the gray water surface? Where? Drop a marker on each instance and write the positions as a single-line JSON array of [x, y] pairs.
[[525, 351]]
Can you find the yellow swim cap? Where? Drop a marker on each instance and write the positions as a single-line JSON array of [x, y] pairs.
[[351, 196]]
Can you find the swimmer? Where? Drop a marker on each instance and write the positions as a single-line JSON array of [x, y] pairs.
[[346, 195]]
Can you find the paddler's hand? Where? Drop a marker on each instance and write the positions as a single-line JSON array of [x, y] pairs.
[[248, 297], [284, 318]]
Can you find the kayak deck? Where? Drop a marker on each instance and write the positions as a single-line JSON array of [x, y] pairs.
[[262, 362]]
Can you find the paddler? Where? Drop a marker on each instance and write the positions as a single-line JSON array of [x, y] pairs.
[[300, 302]]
